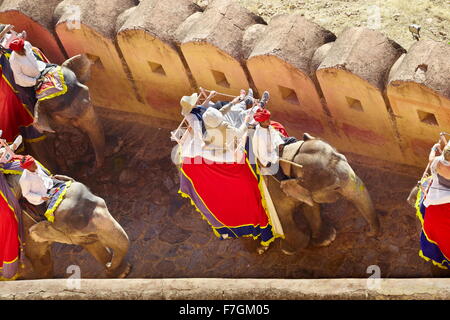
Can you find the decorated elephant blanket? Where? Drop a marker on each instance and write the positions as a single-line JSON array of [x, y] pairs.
[[229, 197], [10, 225], [435, 236], [58, 196], [16, 113], [53, 84]]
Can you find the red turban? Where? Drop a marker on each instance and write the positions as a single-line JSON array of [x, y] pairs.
[[27, 162], [262, 115], [17, 44]]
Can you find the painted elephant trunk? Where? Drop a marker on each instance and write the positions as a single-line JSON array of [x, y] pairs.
[[91, 125], [356, 192]]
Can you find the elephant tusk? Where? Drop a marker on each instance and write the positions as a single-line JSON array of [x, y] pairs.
[[292, 163]]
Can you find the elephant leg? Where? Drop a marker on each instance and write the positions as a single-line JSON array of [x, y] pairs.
[[112, 236], [322, 234], [294, 239], [101, 253], [39, 254]]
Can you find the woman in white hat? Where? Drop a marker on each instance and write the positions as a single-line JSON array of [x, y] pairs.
[[221, 137], [192, 146]]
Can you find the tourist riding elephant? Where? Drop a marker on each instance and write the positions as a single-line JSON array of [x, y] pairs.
[[81, 219], [74, 108], [325, 176]]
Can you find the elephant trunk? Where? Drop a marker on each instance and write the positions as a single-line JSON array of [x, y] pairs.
[[356, 192], [91, 125], [412, 197]]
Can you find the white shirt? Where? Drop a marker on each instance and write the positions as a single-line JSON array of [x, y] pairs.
[[265, 145], [27, 69], [35, 185], [437, 193], [192, 146]]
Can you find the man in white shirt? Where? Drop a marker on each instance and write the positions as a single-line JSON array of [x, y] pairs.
[[34, 182], [25, 66], [266, 143]]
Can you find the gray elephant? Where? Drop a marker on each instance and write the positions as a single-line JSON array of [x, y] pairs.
[[73, 108], [81, 219], [325, 177]]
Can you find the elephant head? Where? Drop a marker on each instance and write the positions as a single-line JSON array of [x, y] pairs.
[[75, 107]]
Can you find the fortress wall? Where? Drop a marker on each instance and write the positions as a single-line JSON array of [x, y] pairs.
[[169, 238], [352, 77], [147, 55], [109, 84], [280, 63], [419, 93], [147, 42], [212, 43], [36, 18]]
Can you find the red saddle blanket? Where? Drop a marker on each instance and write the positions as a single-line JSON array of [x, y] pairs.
[[13, 114]]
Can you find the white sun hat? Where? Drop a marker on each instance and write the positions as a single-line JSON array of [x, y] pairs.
[[188, 103], [212, 117]]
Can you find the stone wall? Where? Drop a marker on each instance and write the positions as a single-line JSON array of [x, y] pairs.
[[362, 92]]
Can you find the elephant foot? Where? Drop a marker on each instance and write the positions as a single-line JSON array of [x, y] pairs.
[[121, 272], [262, 249], [287, 249], [375, 229], [373, 233], [324, 241]]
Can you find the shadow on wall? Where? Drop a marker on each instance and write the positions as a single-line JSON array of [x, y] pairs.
[[361, 91]]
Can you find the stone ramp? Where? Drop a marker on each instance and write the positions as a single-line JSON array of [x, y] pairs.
[[224, 289]]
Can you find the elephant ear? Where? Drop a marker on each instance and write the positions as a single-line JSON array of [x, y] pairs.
[[293, 189], [81, 66]]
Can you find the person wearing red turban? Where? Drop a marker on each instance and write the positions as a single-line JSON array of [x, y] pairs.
[[28, 163], [267, 143], [263, 117], [34, 182], [24, 64], [17, 45]]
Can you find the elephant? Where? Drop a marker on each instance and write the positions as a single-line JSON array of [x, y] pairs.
[[325, 176], [73, 108], [81, 219]]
